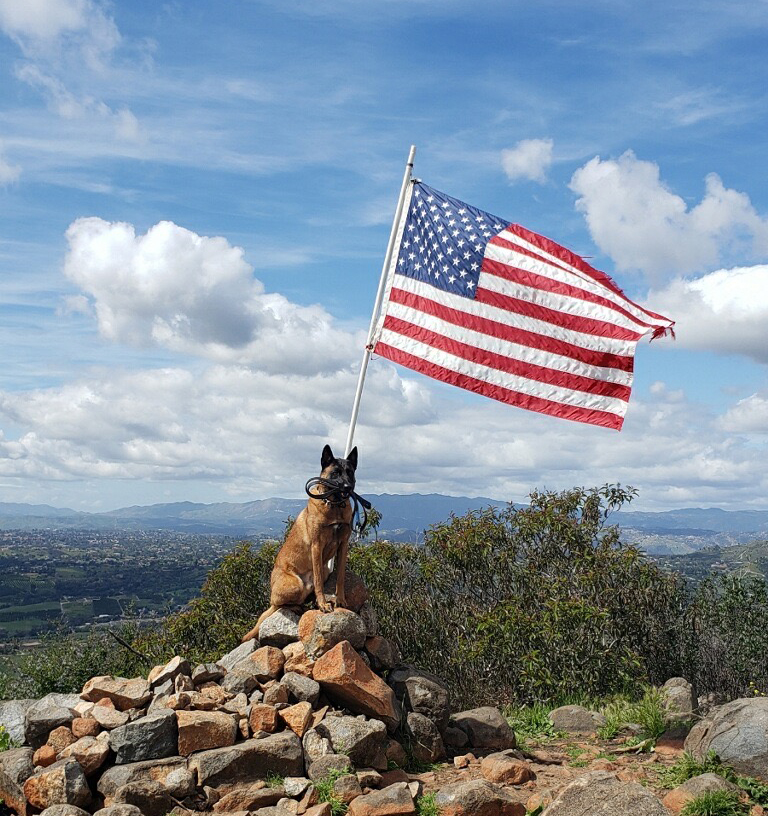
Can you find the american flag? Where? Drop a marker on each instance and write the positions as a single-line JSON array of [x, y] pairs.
[[499, 310]]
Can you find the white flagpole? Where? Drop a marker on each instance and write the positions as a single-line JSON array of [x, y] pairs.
[[379, 298]]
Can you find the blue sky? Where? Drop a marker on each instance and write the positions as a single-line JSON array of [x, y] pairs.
[[195, 200]]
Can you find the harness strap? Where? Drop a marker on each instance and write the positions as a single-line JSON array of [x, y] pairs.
[[344, 495]]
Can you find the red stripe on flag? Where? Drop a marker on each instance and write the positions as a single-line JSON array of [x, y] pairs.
[[505, 331], [543, 406], [565, 255], [583, 325], [509, 365], [543, 283]]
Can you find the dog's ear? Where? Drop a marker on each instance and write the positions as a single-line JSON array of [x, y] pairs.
[[326, 457], [352, 458]]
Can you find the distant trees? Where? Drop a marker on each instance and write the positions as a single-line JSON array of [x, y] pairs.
[[518, 604]]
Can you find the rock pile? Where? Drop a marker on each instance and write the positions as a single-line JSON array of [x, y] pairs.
[[318, 697]]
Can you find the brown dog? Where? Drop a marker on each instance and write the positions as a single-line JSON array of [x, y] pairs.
[[319, 535]]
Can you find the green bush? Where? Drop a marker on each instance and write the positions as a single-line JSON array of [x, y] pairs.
[[528, 604]]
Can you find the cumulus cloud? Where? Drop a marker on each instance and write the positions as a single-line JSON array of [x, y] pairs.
[[749, 415], [528, 159], [249, 433], [637, 220], [725, 311], [197, 295]]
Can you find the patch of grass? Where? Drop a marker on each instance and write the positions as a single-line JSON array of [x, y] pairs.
[[427, 806], [716, 803], [648, 712], [325, 792], [531, 723], [687, 766], [274, 780]]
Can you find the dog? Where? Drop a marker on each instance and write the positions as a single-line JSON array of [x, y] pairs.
[[319, 535]]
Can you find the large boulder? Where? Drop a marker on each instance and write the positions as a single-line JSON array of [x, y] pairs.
[[124, 693], [423, 693], [426, 742], [231, 659], [486, 729], [679, 700], [278, 754], [320, 632], [279, 629], [265, 664], [62, 783], [361, 740], [738, 733], [171, 772], [150, 737], [355, 590], [575, 719], [678, 798], [600, 793], [203, 730], [478, 798], [344, 677], [16, 767], [48, 713], [13, 718]]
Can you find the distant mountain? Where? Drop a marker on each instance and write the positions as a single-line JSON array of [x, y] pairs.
[[404, 518]]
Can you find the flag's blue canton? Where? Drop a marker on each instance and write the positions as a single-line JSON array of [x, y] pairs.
[[444, 241]]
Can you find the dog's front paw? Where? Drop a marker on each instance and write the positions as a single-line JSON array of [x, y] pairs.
[[341, 602], [325, 606]]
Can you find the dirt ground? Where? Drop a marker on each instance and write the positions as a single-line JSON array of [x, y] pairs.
[[557, 762]]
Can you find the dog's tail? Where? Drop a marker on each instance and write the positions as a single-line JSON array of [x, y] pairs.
[[254, 633]]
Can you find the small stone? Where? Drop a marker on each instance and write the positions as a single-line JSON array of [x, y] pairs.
[[383, 653], [297, 717], [85, 727], [206, 673], [574, 719], [505, 769], [477, 797], [203, 730], [168, 671], [239, 681], [347, 787], [276, 694], [44, 756], [90, 752], [330, 629], [264, 664], [62, 783], [60, 738], [295, 785], [486, 729], [297, 660], [263, 717], [183, 683], [109, 718], [124, 693], [394, 800], [300, 688], [249, 797], [151, 737]]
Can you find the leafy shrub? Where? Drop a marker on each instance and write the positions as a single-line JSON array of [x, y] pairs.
[[5, 739], [728, 625], [526, 604]]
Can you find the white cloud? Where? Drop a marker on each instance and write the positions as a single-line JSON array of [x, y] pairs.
[[725, 311], [8, 172], [248, 434], [197, 295], [528, 159], [633, 217], [38, 26], [749, 415]]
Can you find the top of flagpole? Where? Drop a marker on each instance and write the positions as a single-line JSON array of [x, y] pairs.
[[379, 297]]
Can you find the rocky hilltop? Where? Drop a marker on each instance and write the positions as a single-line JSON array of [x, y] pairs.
[[320, 715]]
